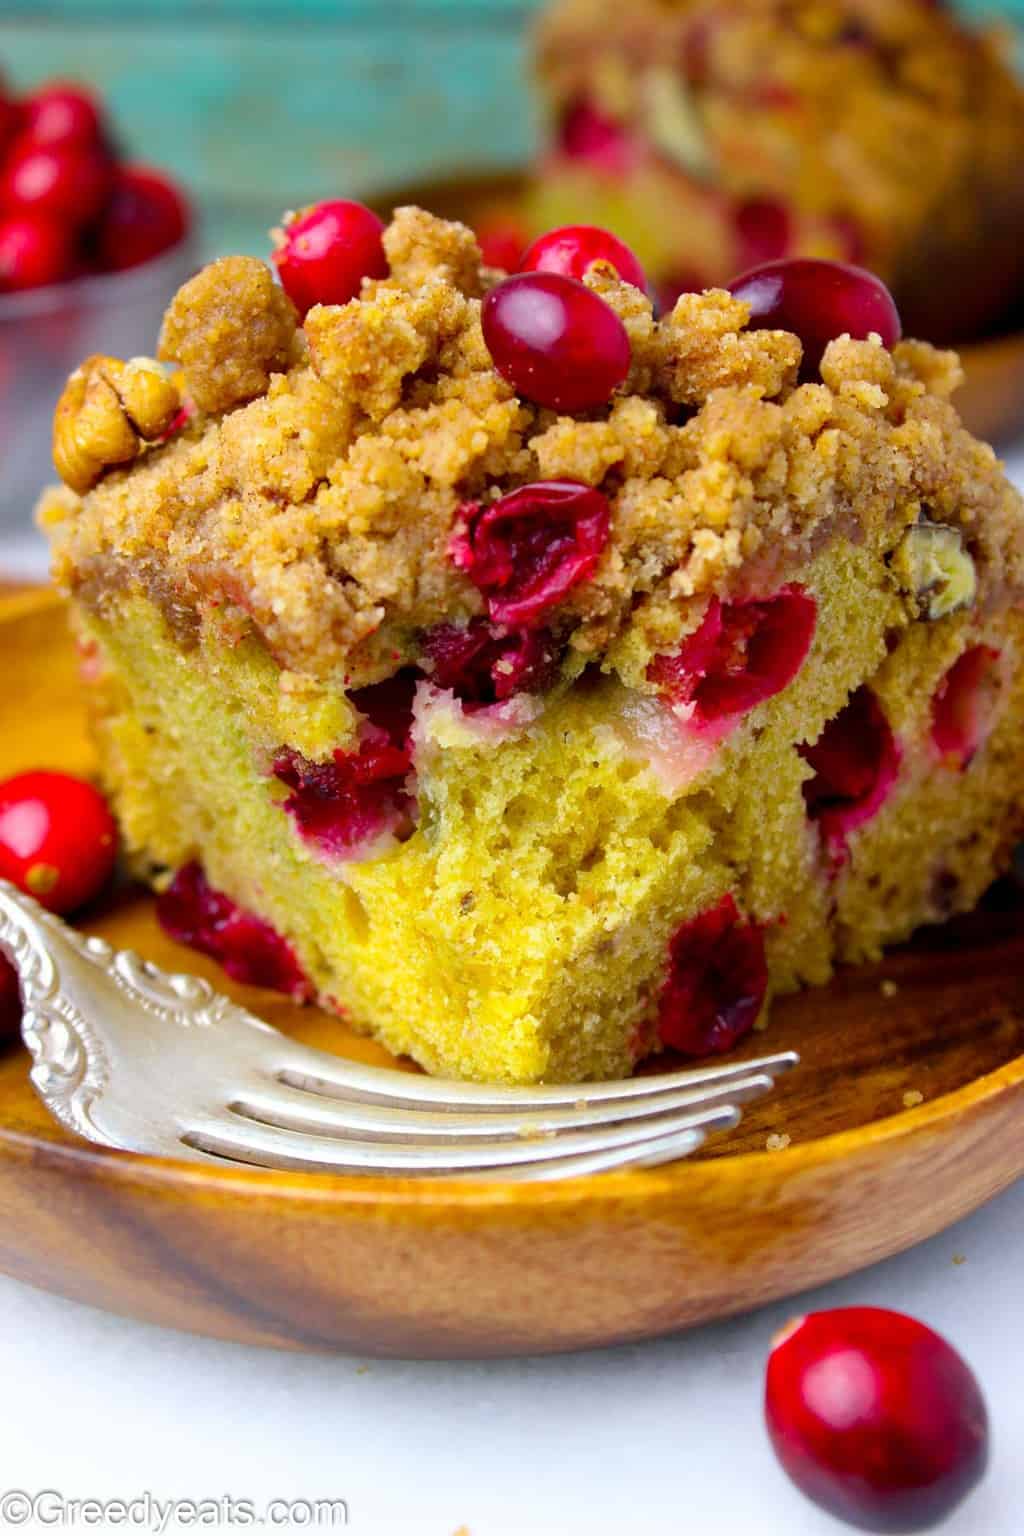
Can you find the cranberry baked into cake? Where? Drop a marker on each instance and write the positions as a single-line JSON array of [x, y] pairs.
[[534, 682], [714, 136]]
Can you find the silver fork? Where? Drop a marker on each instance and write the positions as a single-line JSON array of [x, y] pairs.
[[117, 1060]]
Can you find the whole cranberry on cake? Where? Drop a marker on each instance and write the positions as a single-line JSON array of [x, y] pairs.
[[714, 137], [534, 737]]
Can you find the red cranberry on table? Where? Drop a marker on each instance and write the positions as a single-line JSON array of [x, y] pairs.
[[555, 342], [325, 251], [34, 250], [62, 112], [58, 840], [146, 215], [875, 1417], [818, 301], [574, 249]]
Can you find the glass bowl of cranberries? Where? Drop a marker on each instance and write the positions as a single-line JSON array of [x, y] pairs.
[[92, 247]]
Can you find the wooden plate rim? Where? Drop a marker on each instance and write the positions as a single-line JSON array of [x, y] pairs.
[[366, 1190]]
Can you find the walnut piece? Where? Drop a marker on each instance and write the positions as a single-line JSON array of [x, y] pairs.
[[933, 567], [230, 327], [107, 410]]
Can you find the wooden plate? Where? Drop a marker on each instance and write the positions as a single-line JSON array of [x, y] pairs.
[[991, 401], [444, 1269]]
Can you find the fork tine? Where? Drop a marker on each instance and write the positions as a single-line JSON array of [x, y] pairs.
[[650, 1152], [291, 1109], [312, 1071], [667, 1148], [247, 1141]]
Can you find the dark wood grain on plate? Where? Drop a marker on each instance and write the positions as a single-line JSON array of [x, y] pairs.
[[403, 1267]]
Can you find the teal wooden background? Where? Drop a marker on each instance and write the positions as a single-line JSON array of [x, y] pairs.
[[263, 104]]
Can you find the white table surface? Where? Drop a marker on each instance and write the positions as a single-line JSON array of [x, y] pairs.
[[659, 1439]]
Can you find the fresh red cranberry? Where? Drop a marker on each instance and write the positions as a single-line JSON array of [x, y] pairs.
[[716, 983], [502, 240], [250, 950], [555, 342], [10, 1004], [741, 654], [10, 121], [67, 182], [484, 665], [960, 705], [588, 134], [573, 250], [34, 250], [818, 301], [527, 551], [875, 1417], [764, 230], [343, 805], [58, 840], [327, 250], [146, 216], [856, 762], [62, 113]]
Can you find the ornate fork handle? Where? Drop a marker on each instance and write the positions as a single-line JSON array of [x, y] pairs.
[[88, 1008], [70, 1066]]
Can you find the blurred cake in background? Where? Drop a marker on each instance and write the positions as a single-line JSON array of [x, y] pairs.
[[714, 136]]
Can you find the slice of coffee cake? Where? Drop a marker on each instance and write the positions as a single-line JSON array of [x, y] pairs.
[[532, 681]]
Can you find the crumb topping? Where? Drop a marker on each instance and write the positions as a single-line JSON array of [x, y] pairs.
[[311, 500], [229, 327]]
